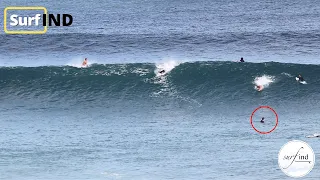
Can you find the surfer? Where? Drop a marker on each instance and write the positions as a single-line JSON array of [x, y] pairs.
[[241, 60], [85, 62], [162, 71], [259, 87], [262, 120], [316, 135], [300, 78]]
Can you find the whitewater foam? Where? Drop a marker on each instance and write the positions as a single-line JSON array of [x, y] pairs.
[[287, 74], [141, 71], [167, 66], [111, 175], [264, 80], [161, 78]]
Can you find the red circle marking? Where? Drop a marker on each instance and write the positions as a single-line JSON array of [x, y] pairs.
[[266, 107]]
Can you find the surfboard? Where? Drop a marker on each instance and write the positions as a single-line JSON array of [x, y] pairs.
[[302, 82], [314, 136]]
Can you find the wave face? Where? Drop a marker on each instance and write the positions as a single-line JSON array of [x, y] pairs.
[[197, 83]]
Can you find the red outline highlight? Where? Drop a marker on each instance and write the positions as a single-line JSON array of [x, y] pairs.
[[267, 107]]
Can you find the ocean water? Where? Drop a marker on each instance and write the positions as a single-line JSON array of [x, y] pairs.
[[119, 118]]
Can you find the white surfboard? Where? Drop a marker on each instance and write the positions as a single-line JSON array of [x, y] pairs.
[[314, 136], [302, 82]]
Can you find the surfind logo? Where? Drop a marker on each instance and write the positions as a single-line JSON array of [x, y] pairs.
[[296, 159], [32, 20]]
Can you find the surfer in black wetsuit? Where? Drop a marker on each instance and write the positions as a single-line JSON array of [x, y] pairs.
[[241, 60], [262, 120], [300, 78], [162, 71]]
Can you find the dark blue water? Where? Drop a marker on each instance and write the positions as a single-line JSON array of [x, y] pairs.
[[149, 31], [120, 118]]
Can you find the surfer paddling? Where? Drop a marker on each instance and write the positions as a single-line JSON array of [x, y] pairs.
[[85, 62], [300, 78], [241, 59], [262, 120]]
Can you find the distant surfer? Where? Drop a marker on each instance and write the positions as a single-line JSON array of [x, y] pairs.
[[300, 78], [259, 87], [314, 136], [162, 71], [262, 120], [241, 59], [85, 62]]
